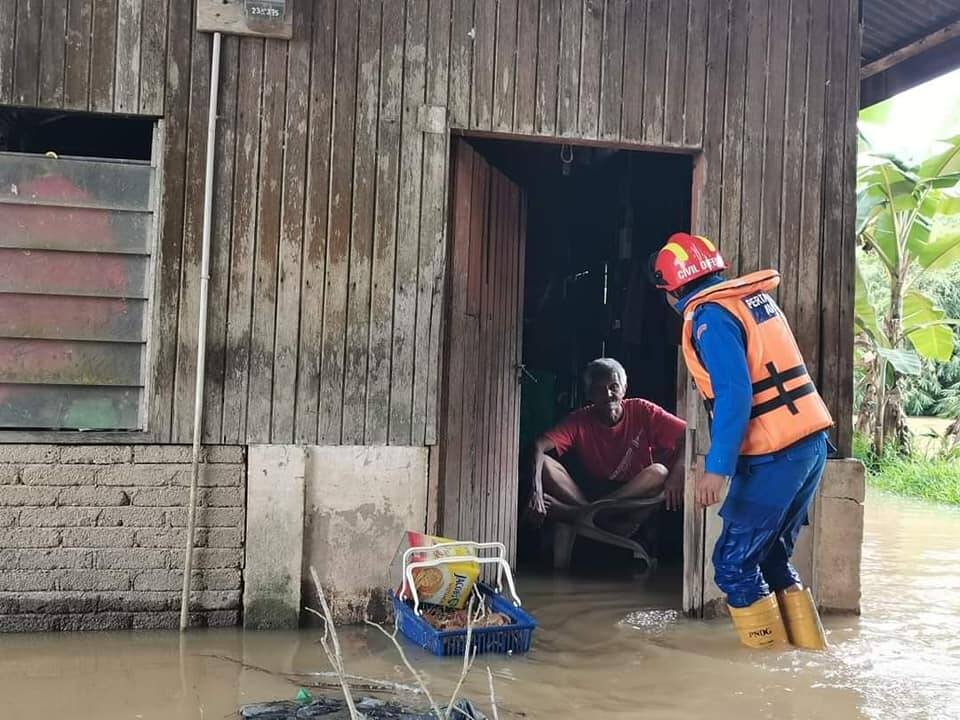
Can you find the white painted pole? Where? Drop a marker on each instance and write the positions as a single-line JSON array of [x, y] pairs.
[[201, 333]]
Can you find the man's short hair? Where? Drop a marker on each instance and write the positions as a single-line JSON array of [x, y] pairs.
[[603, 368]]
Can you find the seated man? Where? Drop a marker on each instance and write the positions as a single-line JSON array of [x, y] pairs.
[[626, 449]]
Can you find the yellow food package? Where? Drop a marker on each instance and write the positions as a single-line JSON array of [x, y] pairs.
[[448, 585]]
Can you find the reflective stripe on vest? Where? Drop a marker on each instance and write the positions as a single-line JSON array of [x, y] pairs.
[[796, 410]]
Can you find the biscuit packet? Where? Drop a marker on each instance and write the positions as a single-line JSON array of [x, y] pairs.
[[448, 585]]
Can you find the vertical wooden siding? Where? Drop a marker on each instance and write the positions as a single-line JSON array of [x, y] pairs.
[[329, 240]]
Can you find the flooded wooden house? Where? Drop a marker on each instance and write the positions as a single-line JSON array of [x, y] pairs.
[[424, 217]]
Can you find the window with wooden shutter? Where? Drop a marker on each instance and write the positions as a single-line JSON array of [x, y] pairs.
[[76, 241]]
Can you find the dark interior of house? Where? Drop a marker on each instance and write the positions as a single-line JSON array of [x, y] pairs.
[[594, 217], [76, 134]]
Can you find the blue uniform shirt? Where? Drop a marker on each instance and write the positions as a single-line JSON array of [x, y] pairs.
[[719, 342], [752, 499]]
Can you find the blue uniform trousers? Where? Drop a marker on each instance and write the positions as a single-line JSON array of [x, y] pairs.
[[762, 517]]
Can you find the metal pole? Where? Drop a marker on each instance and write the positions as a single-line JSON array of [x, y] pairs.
[[201, 333]]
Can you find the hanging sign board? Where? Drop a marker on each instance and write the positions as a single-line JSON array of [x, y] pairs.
[[260, 18]]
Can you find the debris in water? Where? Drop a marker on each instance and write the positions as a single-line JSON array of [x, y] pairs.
[[336, 709], [304, 696], [652, 622]]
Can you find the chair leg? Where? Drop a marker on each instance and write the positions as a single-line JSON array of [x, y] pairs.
[[564, 536]]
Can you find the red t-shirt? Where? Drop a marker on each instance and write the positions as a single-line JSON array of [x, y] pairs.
[[646, 433]]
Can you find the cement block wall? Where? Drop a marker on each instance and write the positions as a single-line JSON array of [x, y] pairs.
[[92, 537]]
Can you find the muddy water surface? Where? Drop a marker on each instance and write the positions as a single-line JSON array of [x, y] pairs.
[[604, 650]]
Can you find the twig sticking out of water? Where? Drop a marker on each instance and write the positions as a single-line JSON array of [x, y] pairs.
[[403, 656], [334, 655], [493, 695], [469, 653]]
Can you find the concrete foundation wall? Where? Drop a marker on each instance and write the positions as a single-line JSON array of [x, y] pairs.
[[92, 537], [359, 501], [839, 537]]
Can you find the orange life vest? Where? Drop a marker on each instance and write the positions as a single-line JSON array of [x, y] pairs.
[[786, 405]]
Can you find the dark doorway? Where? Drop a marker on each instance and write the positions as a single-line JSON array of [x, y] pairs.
[[593, 217]]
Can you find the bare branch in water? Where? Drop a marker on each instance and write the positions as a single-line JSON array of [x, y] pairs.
[[469, 653], [334, 654], [493, 695], [403, 656]]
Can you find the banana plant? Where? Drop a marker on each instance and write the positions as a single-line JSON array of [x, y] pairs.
[[909, 217]]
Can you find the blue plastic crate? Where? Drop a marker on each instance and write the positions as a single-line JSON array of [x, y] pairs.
[[513, 638]]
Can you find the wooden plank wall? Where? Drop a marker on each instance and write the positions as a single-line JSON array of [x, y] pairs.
[[329, 240]]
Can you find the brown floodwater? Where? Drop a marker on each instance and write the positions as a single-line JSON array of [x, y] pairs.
[[603, 650]]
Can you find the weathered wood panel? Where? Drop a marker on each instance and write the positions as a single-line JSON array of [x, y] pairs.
[[793, 151], [528, 20], [548, 67], [266, 257], [433, 243], [678, 49], [773, 157], [480, 420], [103, 68], [357, 281], [76, 91], [836, 207], [698, 65], [173, 165], [192, 239], [338, 245], [484, 59], [242, 242], [26, 78], [461, 63], [568, 89], [53, 53], [284, 400], [843, 409], [315, 223], [655, 70], [127, 84], [634, 52], [505, 67], [408, 227], [153, 42], [612, 72], [8, 37], [385, 228], [361, 232], [591, 67], [807, 324], [221, 240]]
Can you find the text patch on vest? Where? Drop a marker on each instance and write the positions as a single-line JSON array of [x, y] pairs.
[[761, 306]]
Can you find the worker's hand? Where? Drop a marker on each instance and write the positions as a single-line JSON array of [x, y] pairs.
[[536, 511], [673, 491], [709, 488]]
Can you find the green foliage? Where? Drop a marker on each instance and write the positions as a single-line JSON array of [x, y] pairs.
[[936, 479], [908, 228]]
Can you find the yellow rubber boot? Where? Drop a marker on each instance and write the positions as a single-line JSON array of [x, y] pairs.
[[802, 619], [760, 625]]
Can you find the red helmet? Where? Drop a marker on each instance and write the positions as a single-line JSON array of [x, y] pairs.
[[682, 260]]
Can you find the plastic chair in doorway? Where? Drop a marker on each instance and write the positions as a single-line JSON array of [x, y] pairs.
[[565, 533]]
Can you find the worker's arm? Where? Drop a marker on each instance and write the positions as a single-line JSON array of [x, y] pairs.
[[536, 509], [720, 343]]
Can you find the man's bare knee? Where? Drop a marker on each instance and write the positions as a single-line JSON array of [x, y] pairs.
[[657, 474]]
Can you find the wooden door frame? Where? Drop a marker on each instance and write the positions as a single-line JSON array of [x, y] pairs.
[[694, 522]]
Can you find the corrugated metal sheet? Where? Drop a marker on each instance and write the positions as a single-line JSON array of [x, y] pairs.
[[889, 25]]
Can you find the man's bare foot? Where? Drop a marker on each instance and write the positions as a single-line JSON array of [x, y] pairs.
[[558, 510]]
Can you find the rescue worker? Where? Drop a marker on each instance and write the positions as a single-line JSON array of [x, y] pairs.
[[768, 436]]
